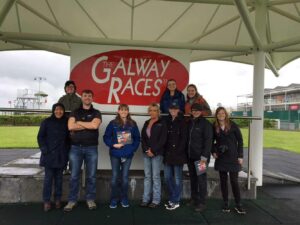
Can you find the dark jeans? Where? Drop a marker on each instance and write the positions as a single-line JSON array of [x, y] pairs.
[[120, 172], [51, 174], [173, 179], [198, 184], [234, 186], [90, 157]]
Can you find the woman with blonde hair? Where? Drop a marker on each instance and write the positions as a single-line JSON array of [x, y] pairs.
[[154, 136], [228, 152]]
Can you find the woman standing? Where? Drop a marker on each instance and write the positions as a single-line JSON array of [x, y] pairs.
[[54, 145], [175, 155], [123, 138], [194, 97], [228, 152], [154, 136], [170, 96]]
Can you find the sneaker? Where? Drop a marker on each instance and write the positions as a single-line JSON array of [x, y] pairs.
[[125, 203], [91, 204], [240, 210], [226, 208], [168, 203], [192, 202], [153, 205], [47, 206], [199, 208], [57, 204], [173, 206], [113, 204], [70, 206]]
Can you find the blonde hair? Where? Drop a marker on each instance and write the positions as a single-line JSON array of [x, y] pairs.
[[154, 105], [227, 120]]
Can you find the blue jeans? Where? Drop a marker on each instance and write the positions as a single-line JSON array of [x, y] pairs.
[[119, 168], [51, 174], [152, 181], [173, 179], [77, 155]]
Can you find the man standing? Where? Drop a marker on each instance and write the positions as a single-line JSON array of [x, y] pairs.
[[83, 125], [70, 100], [199, 146]]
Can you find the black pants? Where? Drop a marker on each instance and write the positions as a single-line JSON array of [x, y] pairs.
[[234, 186], [198, 184]]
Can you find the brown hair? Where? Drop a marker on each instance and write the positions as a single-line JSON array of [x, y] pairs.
[[129, 120], [88, 91], [217, 125], [197, 93]]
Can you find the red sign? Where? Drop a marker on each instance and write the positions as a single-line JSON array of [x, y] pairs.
[[133, 77], [294, 107]]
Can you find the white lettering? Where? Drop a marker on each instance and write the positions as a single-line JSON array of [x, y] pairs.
[[130, 73], [105, 70], [164, 67], [128, 86], [147, 87], [157, 83], [136, 86], [154, 69], [120, 66], [113, 91], [142, 67]]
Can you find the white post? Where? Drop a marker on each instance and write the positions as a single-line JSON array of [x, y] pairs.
[[257, 126], [256, 131]]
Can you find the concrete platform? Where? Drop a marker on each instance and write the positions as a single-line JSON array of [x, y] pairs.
[[21, 181]]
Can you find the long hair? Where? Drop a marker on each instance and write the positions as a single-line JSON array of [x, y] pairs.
[[197, 93], [129, 120], [227, 120]]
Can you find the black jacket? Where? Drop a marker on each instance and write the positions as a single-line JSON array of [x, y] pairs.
[[200, 139], [175, 148], [53, 140], [157, 139], [229, 147]]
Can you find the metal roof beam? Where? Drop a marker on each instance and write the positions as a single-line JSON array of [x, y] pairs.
[[23, 4], [282, 2], [282, 44], [245, 15], [40, 46], [284, 13], [218, 56], [219, 2], [5, 10], [121, 42], [271, 66]]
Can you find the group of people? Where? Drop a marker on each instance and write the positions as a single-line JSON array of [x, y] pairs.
[[171, 141]]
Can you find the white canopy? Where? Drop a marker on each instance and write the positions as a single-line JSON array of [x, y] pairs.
[[212, 29]]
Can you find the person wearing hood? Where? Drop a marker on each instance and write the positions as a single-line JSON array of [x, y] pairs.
[[175, 155], [70, 100], [171, 95], [53, 142], [194, 97]]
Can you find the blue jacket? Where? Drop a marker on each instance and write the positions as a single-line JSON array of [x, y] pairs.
[[110, 138], [53, 140], [167, 100]]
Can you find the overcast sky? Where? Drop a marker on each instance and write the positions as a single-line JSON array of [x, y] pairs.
[[217, 81]]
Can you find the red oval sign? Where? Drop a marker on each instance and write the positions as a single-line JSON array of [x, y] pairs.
[[133, 77]]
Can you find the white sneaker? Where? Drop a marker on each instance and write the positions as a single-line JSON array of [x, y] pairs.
[[91, 204], [70, 206], [172, 206]]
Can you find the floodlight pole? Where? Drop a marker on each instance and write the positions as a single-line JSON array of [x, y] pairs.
[[39, 79]]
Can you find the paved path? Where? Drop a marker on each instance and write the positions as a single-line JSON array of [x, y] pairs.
[[7, 155]]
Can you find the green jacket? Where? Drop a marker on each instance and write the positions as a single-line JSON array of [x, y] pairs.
[[70, 102]]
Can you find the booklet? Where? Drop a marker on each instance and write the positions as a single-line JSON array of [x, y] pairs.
[[200, 169], [124, 137]]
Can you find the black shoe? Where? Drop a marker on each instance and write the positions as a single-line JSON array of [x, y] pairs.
[[199, 208], [191, 203], [153, 205], [226, 208], [240, 210], [144, 204]]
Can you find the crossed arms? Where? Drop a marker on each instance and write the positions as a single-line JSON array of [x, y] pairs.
[[74, 125]]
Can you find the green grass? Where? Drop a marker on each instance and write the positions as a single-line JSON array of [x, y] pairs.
[[25, 137], [18, 137], [278, 139]]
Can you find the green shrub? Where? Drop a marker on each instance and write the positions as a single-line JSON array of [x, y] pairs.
[[22, 120]]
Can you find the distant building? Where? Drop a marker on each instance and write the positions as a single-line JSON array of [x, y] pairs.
[[281, 103]]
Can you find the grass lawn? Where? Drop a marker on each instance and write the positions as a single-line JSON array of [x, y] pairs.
[[278, 139], [18, 137], [25, 137]]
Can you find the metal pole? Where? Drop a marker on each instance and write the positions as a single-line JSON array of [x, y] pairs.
[[249, 171]]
